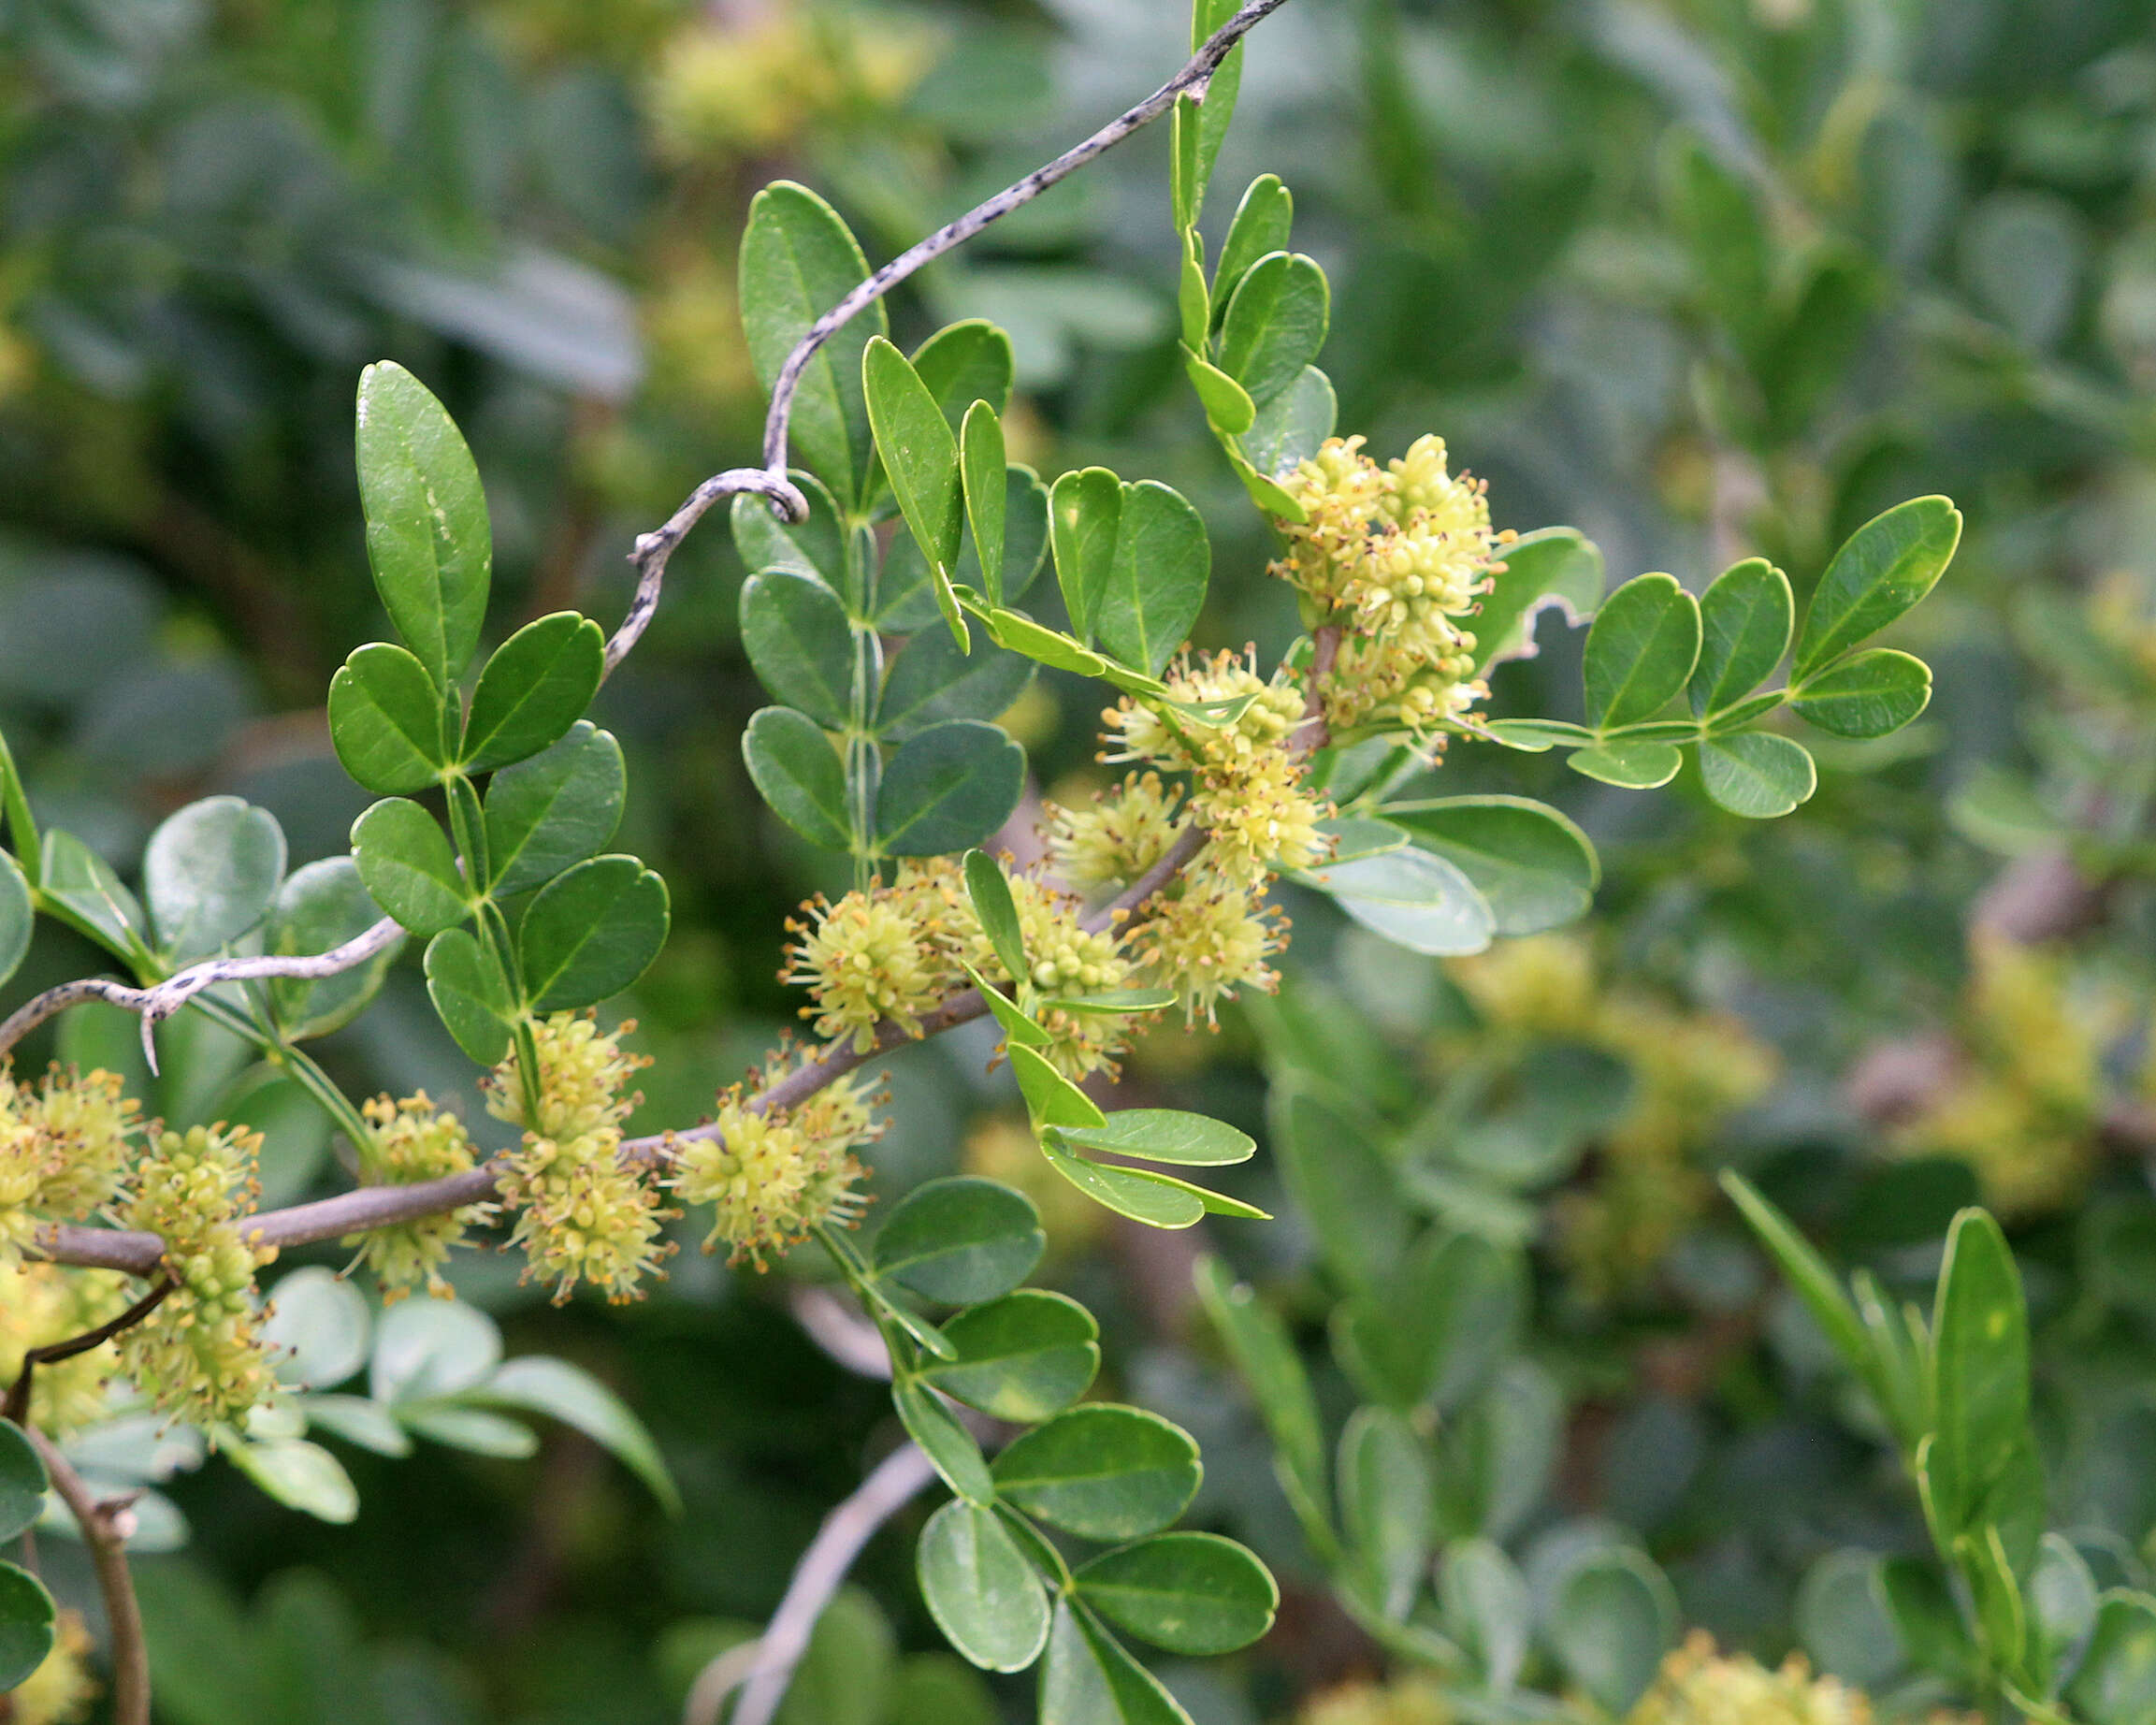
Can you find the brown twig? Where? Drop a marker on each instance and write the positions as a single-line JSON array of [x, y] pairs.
[[105, 1529], [17, 1406]]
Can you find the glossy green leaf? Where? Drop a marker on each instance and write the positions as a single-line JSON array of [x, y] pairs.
[[1293, 425], [1640, 651], [931, 682], [556, 809], [83, 885], [386, 721], [1190, 1593], [470, 996], [208, 873], [591, 932], [1166, 1135], [799, 773], [1101, 1471], [535, 686], [1384, 1488], [1156, 584], [1535, 869], [1979, 1368], [1883, 569], [949, 1447], [798, 260], [799, 643], [982, 469], [1745, 620], [1085, 509], [1024, 1357], [1631, 766], [1413, 898], [1227, 404], [408, 868], [816, 547], [1554, 566], [1025, 537], [26, 1624], [1757, 773], [1612, 1622], [1050, 1098], [537, 1385], [427, 534], [322, 906], [1261, 226], [961, 1240], [996, 911], [1152, 1200], [1046, 646], [22, 1481], [1867, 694], [983, 1594], [966, 362], [17, 916], [920, 457], [1088, 1678], [946, 788], [2116, 1681], [1274, 325]]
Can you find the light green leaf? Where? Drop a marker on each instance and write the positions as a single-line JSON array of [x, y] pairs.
[[1552, 566], [1023, 1359], [921, 456], [1640, 651], [1293, 425], [1745, 623], [1117, 1000], [1487, 1608], [386, 721], [798, 260], [983, 1594], [948, 788], [1816, 1285], [2116, 1681], [536, 685], [1757, 773], [1631, 766], [1537, 736], [1015, 1025], [1103, 1471], [408, 868], [930, 682], [591, 932], [1192, 1593], [1136, 1193], [996, 912], [557, 808], [1385, 1484], [322, 906], [359, 1421], [966, 362], [1344, 1185], [26, 1619], [1261, 226], [1156, 584], [987, 493], [427, 1350], [300, 1475], [1085, 509], [1088, 1679], [961, 1240], [470, 996], [208, 873], [1883, 569], [1867, 694], [17, 916], [799, 643], [537, 1385], [798, 773], [1227, 404], [1048, 646], [1050, 1098], [1166, 1135], [1025, 536], [473, 1430], [1979, 1369], [1276, 323], [1414, 899], [1535, 869], [1612, 1620], [318, 1329], [427, 534], [948, 1444]]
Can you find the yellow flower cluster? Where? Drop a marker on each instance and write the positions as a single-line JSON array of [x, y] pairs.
[[43, 1303], [60, 1690], [772, 1177], [1206, 941], [1397, 555], [582, 1214], [1699, 1686], [1690, 1071], [1108, 845], [1406, 1701], [413, 1141], [1067, 960], [63, 1149], [870, 956], [200, 1355], [2023, 1112]]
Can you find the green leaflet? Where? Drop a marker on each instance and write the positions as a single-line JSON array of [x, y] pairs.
[[319, 906], [591, 932], [209, 874], [1190, 1593], [1757, 773], [1276, 323], [387, 721], [559, 807], [1103, 1471], [799, 643], [1868, 694], [960, 1240], [799, 773], [408, 868], [1884, 568], [922, 459], [537, 684], [983, 1594], [1640, 651], [948, 788], [1744, 624]]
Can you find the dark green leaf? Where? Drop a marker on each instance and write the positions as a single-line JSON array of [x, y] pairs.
[[1166, 1135], [921, 456], [798, 773], [798, 260], [2116, 1682], [1293, 426], [323, 905], [208, 873], [1744, 624], [1532, 865], [966, 362], [1276, 324], [1885, 567], [386, 721], [536, 685], [557, 808], [1640, 650], [408, 868], [17, 916], [996, 912], [1103, 1471], [1979, 1368], [26, 1615], [1088, 1679], [1757, 773], [1261, 226], [799, 641], [427, 534], [987, 493], [1156, 584], [1867, 694], [1084, 510], [1025, 536], [1413, 898], [948, 1444], [591, 932], [1024, 1357], [961, 1240], [814, 547], [1613, 1619], [1192, 1593], [985, 1597], [946, 788], [22, 1481], [1631, 766], [931, 682], [1552, 566]]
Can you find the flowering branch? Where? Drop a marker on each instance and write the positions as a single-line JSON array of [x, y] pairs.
[[17, 1406], [105, 1528]]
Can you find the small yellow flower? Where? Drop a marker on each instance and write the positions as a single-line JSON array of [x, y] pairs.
[[42, 1303], [1066, 960], [1405, 1701], [864, 960], [60, 1690], [772, 1177], [1110, 845], [583, 1078], [1208, 942], [415, 1142], [1700, 1686], [64, 1148]]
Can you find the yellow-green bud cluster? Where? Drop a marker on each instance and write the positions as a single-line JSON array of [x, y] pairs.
[[1209, 940], [1067, 960], [1110, 845], [415, 1141], [582, 1214], [864, 960], [43, 1303], [772, 1177], [1700, 1686], [200, 1355], [1396, 557], [1413, 1700], [60, 1690], [63, 1149]]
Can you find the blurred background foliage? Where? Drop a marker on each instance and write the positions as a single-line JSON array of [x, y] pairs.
[[1700, 277]]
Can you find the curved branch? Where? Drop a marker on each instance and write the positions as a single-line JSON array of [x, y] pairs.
[[104, 1530], [17, 1406]]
